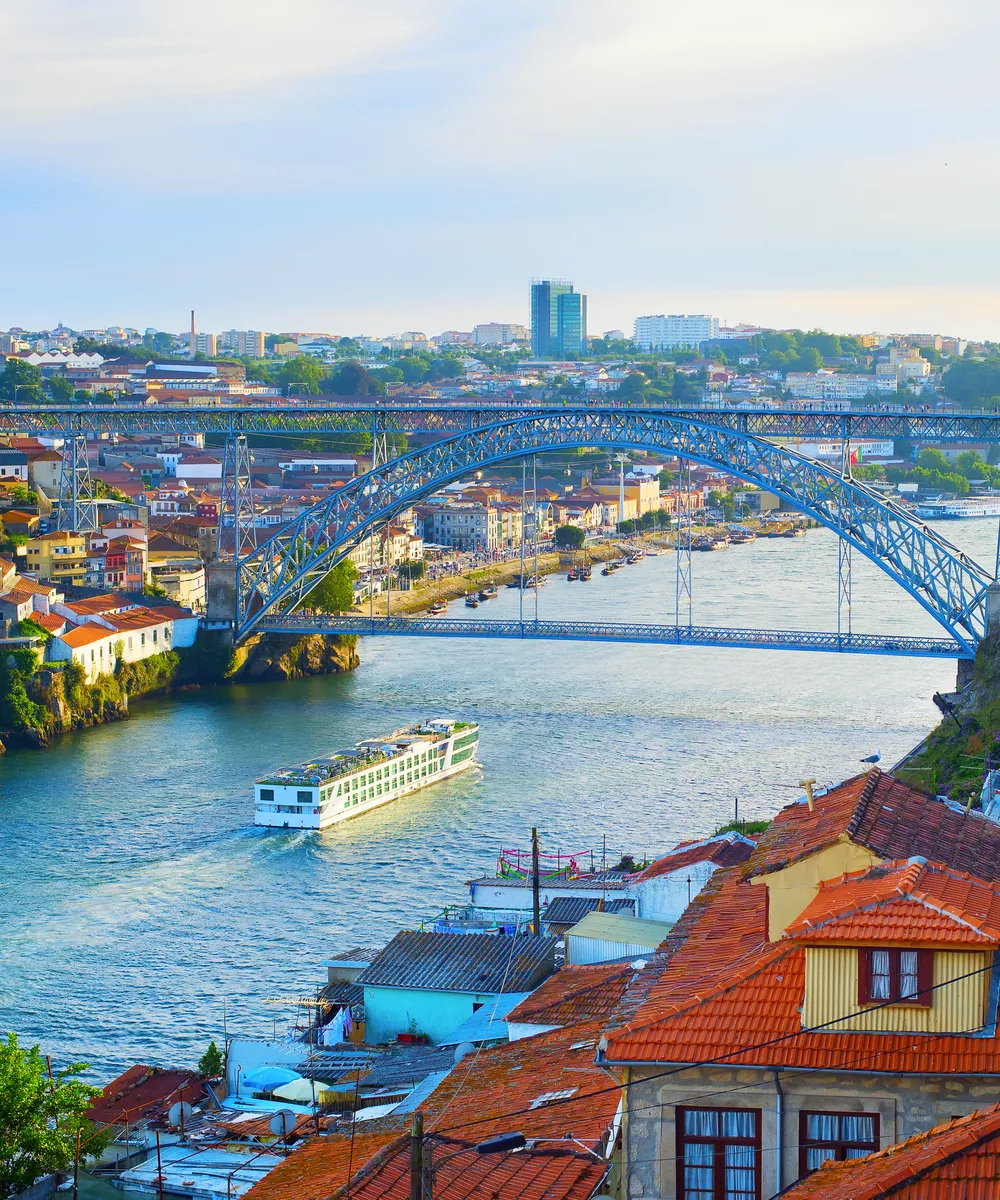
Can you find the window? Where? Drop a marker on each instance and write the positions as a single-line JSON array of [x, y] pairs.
[[826, 1135], [304, 797], [267, 795], [718, 1153], [895, 976]]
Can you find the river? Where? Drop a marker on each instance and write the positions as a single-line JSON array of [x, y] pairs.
[[138, 902]]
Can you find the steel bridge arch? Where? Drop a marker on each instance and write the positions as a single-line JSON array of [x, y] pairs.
[[945, 581]]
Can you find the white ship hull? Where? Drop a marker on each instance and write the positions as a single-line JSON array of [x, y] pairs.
[[317, 796], [953, 510]]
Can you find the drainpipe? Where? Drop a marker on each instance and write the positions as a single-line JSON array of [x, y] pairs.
[[779, 1111]]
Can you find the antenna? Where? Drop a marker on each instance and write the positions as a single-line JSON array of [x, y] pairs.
[[179, 1113]]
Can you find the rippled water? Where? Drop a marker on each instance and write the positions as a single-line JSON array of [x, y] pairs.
[[136, 897]]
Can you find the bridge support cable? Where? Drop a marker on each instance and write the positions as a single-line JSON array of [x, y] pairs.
[[76, 508], [534, 525], [682, 591], [237, 524], [946, 582], [520, 578], [844, 579]]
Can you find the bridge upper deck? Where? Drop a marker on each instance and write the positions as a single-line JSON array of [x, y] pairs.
[[320, 416]]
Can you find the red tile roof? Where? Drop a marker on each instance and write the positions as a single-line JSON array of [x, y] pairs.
[[727, 850], [489, 1093], [143, 1091], [903, 902], [97, 606], [50, 621], [957, 1161], [574, 994], [85, 635], [891, 819]]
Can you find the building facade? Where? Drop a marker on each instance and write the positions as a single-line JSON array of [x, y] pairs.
[[557, 313], [680, 331]]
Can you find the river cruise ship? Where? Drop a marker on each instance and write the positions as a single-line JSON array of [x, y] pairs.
[[976, 506], [316, 794]]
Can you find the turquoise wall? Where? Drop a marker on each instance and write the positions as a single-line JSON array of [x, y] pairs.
[[389, 1011]]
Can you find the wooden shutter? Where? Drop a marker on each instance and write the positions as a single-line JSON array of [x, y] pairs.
[[864, 977], [925, 976]]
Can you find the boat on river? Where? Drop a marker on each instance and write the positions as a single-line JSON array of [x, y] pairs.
[[338, 786], [438, 608], [952, 510], [490, 592], [472, 600]]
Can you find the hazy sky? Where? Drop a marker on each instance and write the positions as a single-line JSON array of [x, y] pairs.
[[380, 165]]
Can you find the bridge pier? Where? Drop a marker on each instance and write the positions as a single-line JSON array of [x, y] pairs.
[[966, 667], [220, 595]]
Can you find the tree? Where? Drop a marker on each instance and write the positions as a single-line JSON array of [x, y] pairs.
[[353, 380], [20, 380], [60, 389], [211, 1062], [626, 527], [570, 537], [41, 1118], [302, 374], [933, 460], [335, 591], [663, 518], [412, 569]]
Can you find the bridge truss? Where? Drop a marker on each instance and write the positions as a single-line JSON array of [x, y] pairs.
[[948, 584]]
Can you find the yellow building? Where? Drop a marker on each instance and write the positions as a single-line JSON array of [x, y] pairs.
[[58, 557]]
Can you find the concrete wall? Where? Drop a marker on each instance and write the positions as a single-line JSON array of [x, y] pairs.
[[389, 1011], [667, 896], [905, 1104]]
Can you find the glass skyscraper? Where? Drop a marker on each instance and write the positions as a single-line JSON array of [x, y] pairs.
[[558, 319]]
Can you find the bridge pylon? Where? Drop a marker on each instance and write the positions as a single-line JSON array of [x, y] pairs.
[[76, 507], [237, 527]]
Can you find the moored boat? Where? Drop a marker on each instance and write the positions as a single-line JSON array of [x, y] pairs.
[[489, 592], [472, 600], [437, 608]]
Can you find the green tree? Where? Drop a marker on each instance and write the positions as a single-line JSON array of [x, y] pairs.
[[211, 1062], [21, 380], [412, 569], [60, 389], [353, 380], [335, 591], [933, 460], [663, 518], [302, 374], [41, 1118], [570, 537], [626, 527]]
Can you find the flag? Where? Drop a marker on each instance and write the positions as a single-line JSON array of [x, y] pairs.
[[856, 456]]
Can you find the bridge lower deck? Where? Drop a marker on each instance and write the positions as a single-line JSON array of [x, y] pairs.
[[610, 631]]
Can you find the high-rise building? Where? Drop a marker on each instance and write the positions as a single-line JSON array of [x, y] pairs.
[[498, 333], [204, 343], [676, 332], [247, 342], [558, 318]]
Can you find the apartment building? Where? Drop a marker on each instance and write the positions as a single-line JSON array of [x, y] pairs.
[[679, 331]]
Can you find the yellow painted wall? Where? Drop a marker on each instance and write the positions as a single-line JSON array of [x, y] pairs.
[[832, 992], [791, 889]]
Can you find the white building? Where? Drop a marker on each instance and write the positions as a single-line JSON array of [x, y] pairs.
[[676, 332], [829, 385], [497, 333], [198, 468], [248, 342], [204, 343], [465, 527], [122, 632], [867, 448]]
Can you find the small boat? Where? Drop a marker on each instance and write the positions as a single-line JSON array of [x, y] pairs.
[[490, 592], [471, 600], [572, 577], [608, 570], [515, 582], [585, 574], [795, 531], [437, 608], [652, 553]]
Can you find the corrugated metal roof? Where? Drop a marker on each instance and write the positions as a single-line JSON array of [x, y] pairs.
[[471, 962], [616, 927], [489, 1023], [567, 910]]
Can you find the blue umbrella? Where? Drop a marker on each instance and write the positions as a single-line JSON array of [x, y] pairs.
[[266, 1078]]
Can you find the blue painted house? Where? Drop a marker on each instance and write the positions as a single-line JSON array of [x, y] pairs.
[[430, 983]]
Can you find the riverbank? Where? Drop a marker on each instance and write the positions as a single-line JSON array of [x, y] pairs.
[[40, 703]]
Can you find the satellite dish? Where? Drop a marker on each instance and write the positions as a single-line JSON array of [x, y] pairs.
[[180, 1113], [282, 1123], [462, 1049]]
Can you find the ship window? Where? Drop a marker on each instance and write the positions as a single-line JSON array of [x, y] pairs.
[[304, 797], [267, 794], [347, 804], [340, 789], [354, 783]]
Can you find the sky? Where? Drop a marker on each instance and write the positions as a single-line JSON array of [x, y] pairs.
[[349, 166]]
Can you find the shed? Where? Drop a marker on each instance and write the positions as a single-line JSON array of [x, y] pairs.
[[606, 937], [430, 983]]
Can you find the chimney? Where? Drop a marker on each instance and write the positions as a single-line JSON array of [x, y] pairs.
[[808, 785]]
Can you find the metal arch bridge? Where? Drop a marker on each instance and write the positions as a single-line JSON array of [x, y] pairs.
[[333, 416], [272, 581]]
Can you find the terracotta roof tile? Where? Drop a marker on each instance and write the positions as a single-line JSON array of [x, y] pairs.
[[726, 850], [891, 819], [143, 1091], [85, 635], [908, 901], [576, 993], [957, 1161]]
